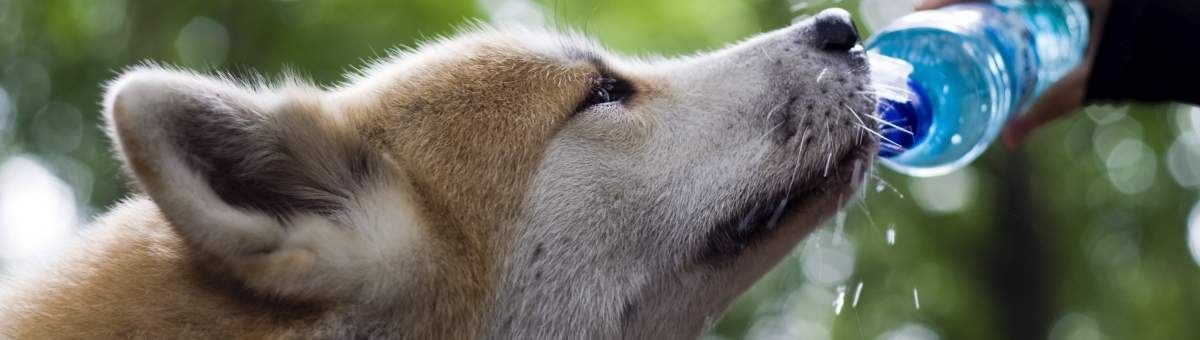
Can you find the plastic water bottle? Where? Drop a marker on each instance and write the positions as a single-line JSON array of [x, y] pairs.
[[972, 67]]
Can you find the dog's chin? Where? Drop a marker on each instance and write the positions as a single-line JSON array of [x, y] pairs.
[[803, 205]]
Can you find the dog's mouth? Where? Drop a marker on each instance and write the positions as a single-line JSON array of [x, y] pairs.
[[759, 219]]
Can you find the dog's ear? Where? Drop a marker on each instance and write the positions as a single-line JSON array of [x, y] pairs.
[[273, 186]]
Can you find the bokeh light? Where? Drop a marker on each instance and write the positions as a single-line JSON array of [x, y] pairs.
[[876, 14], [37, 211], [1075, 326], [57, 128], [910, 332], [1132, 166], [829, 260], [203, 42], [947, 193], [1194, 232], [1183, 157], [515, 11]]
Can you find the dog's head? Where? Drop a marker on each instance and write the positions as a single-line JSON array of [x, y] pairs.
[[511, 182]]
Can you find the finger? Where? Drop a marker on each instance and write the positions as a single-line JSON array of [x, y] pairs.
[[935, 4], [1063, 97], [1099, 18]]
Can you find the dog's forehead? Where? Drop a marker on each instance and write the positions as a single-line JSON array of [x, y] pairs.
[[513, 45], [562, 46]]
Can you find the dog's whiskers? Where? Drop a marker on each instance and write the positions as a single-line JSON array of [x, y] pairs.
[[776, 108], [799, 157], [885, 122], [828, 158], [768, 133], [855, 114], [876, 93], [895, 148], [769, 114], [890, 88], [885, 139]]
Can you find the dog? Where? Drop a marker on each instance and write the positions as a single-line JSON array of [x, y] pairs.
[[507, 182]]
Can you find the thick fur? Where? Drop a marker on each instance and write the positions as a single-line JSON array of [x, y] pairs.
[[461, 190]]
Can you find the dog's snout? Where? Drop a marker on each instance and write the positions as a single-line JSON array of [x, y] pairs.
[[835, 30]]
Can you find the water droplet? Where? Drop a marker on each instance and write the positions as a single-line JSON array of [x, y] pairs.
[[956, 139], [840, 300], [916, 299], [5, 108], [856, 177], [891, 234], [839, 231], [857, 293], [879, 188]]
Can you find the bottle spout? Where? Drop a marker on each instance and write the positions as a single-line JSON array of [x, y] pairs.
[[904, 112], [904, 123], [889, 76]]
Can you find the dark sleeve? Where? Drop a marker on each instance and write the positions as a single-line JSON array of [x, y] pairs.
[[1150, 52]]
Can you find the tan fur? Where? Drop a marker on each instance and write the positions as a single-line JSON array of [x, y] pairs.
[[169, 290], [426, 197], [491, 137]]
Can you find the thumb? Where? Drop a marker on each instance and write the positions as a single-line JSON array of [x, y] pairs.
[[1061, 98]]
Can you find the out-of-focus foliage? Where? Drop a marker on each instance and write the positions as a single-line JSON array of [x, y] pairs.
[[1082, 235]]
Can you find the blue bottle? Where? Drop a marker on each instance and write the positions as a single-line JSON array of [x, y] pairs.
[[972, 67]]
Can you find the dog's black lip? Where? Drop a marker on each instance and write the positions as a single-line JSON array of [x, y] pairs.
[[755, 221]]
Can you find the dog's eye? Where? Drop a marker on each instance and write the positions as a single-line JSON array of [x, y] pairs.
[[599, 95], [606, 90]]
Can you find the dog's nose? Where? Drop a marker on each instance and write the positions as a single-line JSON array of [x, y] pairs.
[[835, 30]]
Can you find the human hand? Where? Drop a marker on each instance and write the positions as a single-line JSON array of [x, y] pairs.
[[1062, 97]]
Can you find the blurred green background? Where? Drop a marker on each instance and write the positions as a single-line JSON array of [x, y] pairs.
[[1084, 234]]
